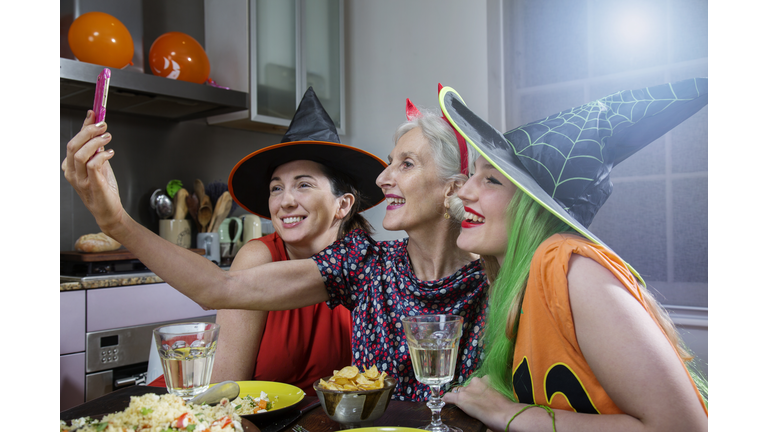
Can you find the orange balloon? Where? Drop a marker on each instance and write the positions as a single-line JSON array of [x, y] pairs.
[[100, 38], [177, 55]]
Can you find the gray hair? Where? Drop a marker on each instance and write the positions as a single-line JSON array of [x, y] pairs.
[[445, 149]]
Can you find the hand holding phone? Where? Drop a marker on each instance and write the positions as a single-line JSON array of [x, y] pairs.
[[100, 99]]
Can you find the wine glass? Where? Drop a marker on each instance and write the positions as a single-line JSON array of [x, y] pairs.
[[433, 341]]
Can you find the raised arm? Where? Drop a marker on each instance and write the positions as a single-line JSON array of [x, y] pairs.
[[90, 173]]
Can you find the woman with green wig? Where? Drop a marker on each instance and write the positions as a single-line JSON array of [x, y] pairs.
[[572, 330]]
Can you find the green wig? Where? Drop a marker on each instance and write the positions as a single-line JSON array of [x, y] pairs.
[[529, 224]]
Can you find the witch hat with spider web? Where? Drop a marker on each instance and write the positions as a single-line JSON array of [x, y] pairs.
[[563, 161]]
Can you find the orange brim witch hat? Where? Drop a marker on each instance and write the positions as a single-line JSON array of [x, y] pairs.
[[310, 136]]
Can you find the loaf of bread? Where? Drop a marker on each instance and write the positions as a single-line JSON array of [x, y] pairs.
[[96, 243]]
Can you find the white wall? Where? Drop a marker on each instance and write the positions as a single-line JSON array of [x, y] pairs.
[[398, 49]]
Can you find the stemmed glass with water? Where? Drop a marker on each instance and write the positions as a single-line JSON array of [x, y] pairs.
[[433, 341]]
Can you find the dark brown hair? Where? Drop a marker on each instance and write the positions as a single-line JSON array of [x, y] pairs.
[[341, 184]]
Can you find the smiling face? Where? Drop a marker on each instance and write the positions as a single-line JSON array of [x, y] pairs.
[[486, 196], [304, 211], [415, 193]]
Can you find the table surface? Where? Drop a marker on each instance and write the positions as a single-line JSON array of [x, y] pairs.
[[399, 413]]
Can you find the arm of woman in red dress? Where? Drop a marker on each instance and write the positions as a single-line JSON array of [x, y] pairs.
[[241, 330]]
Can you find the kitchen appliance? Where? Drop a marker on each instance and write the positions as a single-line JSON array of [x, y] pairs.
[[119, 357], [121, 303]]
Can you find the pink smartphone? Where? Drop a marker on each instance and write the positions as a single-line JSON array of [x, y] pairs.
[[100, 99]]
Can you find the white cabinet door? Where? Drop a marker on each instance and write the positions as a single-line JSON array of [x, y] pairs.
[[289, 46], [71, 380], [112, 308], [71, 322]]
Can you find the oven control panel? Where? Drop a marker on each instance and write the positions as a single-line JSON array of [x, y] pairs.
[[109, 349]]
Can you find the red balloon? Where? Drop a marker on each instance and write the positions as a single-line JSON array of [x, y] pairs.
[[100, 38], [179, 56]]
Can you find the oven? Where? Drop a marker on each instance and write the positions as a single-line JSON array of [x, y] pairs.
[[106, 330], [117, 358], [106, 325]]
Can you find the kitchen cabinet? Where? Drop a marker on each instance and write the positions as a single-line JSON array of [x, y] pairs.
[[134, 90], [71, 349], [71, 380], [72, 322], [290, 46], [136, 93]]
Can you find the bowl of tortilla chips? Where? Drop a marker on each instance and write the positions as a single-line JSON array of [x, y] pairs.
[[353, 398]]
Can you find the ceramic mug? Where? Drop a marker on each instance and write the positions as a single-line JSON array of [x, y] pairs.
[[177, 231], [210, 243], [228, 252], [224, 230], [251, 227]]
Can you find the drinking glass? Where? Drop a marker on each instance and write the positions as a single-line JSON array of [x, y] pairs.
[[186, 351], [433, 341]]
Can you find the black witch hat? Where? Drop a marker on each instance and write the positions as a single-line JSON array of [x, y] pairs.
[[564, 161], [310, 136]]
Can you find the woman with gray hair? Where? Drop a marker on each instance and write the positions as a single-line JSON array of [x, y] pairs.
[[380, 281]]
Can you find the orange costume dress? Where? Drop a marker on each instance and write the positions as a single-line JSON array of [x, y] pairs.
[[300, 345], [549, 368]]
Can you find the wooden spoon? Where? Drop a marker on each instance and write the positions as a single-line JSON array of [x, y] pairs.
[[180, 204], [205, 211], [223, 205], [192, 204]]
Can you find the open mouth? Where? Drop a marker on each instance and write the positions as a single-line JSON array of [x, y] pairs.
[[471, 219], [394, 202], [292, 220]]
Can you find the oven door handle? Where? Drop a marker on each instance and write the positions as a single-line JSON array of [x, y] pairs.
[[129, 381]]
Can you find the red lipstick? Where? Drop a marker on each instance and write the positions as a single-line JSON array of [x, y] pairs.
[[466, 223]]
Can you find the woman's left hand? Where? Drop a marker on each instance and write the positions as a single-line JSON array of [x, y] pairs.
[[479, 400]]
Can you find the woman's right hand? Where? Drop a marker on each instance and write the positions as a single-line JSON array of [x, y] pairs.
[[86, 167]]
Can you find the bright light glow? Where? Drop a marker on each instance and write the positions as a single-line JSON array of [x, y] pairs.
[[634, 25], [113, 40]]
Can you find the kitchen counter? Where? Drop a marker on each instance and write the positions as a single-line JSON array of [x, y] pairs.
[[117, 280], [125, 278], [70, 283]]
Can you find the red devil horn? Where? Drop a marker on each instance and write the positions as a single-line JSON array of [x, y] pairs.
[[460, 139], [411, 112]]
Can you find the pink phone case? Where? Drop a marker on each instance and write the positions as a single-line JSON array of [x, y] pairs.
[[100, 99]]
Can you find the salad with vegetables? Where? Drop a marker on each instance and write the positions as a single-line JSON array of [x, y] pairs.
[[248, 404], [162, 413]]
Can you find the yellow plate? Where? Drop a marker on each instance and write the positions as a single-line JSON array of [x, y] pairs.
[[287, 395], [385, 429]]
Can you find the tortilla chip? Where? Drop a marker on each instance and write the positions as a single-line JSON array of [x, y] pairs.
[[349, 378], [348, 372]]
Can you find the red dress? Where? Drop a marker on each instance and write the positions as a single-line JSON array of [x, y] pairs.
[[300, 345]]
